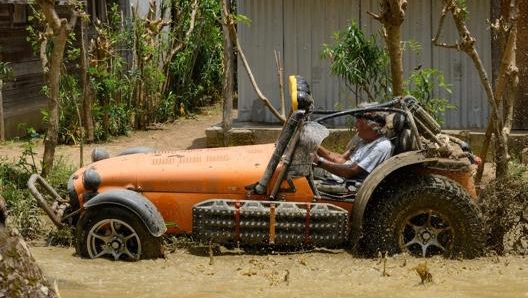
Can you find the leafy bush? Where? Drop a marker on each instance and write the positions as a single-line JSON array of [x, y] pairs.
[[423, 84], [504, 207], [141, 70], [363, 65], [359, 62], [23, 211]]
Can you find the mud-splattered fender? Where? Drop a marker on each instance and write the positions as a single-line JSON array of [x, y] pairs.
[[134, 202], [380, 173]]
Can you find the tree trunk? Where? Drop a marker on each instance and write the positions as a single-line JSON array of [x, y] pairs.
[[520, 116], [53, 77], [229, 73], [20, 276], [505, 89], [500, 100], [88, 95], [2, 128], [392, 16], [60, 28], [395, 54]]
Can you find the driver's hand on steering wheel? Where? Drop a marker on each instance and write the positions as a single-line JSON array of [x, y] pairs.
[[316, 159]]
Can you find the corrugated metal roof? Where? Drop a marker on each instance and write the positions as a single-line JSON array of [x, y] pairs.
[[298, 28]]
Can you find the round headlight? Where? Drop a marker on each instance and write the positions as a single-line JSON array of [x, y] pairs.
[[91, 180], [99, 154], [300, 94]]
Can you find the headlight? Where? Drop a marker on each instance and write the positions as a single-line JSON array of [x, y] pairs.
[[91, 180], [99, 154]]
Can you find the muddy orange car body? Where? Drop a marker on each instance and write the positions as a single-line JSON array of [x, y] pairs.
[[421, 200]]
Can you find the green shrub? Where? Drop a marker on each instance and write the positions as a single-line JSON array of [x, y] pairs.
[[505, 213], [23, 212]]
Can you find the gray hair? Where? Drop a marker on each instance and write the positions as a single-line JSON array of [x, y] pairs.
[[376, 127]]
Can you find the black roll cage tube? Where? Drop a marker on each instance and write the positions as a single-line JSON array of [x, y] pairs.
[[382, 107]]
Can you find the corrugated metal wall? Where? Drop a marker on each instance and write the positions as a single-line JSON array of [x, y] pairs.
[[297, 29]]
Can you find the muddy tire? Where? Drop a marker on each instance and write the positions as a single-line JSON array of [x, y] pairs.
[[424, 216], [115, 233]]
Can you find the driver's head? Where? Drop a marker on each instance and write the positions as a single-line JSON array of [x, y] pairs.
[[373, 121]]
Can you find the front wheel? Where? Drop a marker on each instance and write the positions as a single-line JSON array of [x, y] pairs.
[[114, 232], [425, 216]]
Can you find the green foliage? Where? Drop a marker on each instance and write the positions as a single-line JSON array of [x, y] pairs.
[[134, 82], [462, 5], [69, 95], [6, 72], [24, 214], [517, 171], [196, 71], [503, 204], [359, 62], [423, 84], [363, 65]]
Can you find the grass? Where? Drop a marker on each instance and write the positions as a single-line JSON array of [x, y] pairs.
[[23, 212]]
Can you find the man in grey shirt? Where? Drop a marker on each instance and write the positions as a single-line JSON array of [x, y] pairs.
[[356, 163]]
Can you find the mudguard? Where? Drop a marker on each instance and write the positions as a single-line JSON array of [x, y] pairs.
[[134, 202], [380, 173]]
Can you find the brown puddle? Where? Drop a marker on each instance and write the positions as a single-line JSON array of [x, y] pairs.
[[314, 274]]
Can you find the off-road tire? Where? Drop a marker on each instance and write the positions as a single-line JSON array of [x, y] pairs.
[[419, 210], [140, 245]]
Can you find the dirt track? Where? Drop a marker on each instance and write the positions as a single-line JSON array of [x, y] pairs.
[[190, 272]]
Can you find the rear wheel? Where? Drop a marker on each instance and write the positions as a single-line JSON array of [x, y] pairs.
[[115, 233], [425, 216]]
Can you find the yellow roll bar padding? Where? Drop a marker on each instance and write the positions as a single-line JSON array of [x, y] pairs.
[[293, 92]]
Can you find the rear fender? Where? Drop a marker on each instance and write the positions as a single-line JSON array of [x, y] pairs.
[[135, 203], [387, 168]]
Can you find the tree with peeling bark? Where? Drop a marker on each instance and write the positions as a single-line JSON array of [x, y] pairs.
[[501, 100], [54, 39], [392, 15], [229, 73]]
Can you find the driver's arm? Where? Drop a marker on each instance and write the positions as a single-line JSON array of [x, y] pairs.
[[333, 156], [339, 169]]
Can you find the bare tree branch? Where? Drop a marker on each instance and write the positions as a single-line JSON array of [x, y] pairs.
[[230, 23], [280, 78], [496, 124]]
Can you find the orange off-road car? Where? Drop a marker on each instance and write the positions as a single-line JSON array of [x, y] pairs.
[[421, 201]]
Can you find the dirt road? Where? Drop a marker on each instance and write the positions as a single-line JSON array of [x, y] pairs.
[[190, 272]]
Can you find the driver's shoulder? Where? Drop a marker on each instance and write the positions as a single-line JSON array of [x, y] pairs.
[[384, 142]]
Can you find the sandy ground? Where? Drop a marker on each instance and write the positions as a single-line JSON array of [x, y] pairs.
[[184, 133], [191, 272]]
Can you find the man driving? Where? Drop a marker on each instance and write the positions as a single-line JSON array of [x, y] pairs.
[[350, 168]]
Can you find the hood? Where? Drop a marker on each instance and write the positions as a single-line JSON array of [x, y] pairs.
[[212, 170]]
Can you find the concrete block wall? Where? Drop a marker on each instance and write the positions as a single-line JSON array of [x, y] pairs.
[[338, 139]]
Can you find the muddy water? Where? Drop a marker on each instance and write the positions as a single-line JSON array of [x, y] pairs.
[[314, 274]]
